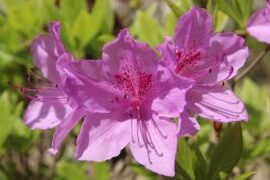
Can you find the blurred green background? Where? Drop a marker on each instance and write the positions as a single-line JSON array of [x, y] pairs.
[[241, 152]]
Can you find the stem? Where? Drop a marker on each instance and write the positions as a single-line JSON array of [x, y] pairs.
[[252, 65]]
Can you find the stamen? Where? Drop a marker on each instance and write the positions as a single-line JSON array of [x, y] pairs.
[[36, 94], [158, 129], [145, 140], [151, 142], [132, 137]]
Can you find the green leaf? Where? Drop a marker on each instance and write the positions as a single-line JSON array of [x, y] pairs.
[[185, 5], [88, 26], [200, 167], [175, 9], [170, 24], [4, 176], [30, 19], [190, 163], [5, 117], [101, 171], [147, 29], [21, 137], [69, 170], [179, 7], [138, 169], [262, 147], [221, 20], [239, 10], [227, 153], [245, 176], [257, 100], [185, 160], [93, 50], [103, 16], [70, 9], [200, 3], [81, 28]]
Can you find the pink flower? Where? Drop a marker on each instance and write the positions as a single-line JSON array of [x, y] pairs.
[[49, 106], [209, 59], [130, 98], [259, 24]]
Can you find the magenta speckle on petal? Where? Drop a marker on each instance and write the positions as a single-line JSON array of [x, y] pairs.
[[134, 84]]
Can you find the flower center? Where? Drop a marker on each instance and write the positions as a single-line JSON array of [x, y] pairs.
[[186, 59], [135, 85]]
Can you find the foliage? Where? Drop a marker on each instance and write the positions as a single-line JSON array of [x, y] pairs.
[[87, 26]]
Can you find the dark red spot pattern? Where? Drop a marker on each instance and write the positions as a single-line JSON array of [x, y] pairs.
[[186, 58], [134, 84]]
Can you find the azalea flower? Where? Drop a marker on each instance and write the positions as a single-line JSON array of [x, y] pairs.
[[49, 106], [131, 100], [259, 24], [209, 59]]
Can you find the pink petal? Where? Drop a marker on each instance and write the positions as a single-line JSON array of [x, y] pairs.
[[194, 29], [171, 96], [234, 49], [259, 24], [44, 115], [188, 125], [44, 57], [167, 50], [54, 29], [171, 104], [102, 137], [216, 103], [88, 86], [124, 50], [94, 96], [64, 128], [46, 49], [162, 144], [82, 70], [216, 75]]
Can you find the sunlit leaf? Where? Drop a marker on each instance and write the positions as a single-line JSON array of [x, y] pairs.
[[190, 163], [70, 9], [147, 29], [6, 120], [170, 24], [68, 170], [239, 10], [227, 153], [220, 20], [245, 176], [175, 9], [257, 100], [101, 171], [89, 25]]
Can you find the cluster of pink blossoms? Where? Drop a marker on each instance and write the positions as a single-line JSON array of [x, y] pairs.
[[131, 96]]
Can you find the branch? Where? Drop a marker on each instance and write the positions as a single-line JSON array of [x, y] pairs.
[[252, 65]]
